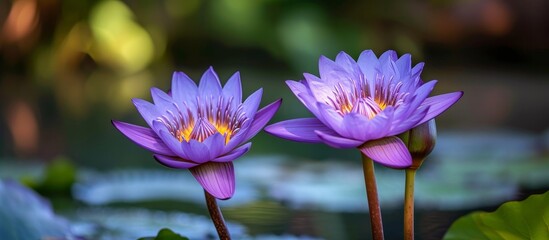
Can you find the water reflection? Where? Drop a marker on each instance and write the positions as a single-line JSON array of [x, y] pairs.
[[484, 175], [115, 223]]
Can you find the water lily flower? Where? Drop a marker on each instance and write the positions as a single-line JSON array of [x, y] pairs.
[[364, 104], [201, 128]]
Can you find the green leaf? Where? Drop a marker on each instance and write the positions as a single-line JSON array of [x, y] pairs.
[[527, 219], [165, 234]]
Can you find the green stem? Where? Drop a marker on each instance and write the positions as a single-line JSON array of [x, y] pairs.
[[217, 217], [373, 201], [409, 204]]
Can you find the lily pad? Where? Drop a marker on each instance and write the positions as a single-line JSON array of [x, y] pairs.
[[527, 219]]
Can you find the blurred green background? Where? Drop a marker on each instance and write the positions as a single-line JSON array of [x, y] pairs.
[[68, 67]]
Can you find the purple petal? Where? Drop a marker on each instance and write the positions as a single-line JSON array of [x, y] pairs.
[[389, 151], [330, 72], [320, 90], [336, 141], [162, 100], [380, 125], [439, 104], [388, 66], [250, 105], [369, 64], [300, 130], [236, 140], [148, 111], [144, 137], [209, 84], [216, 178], [389, 55], [196, 151], [354, 126], [310, 78], [234, 154], [420, 96], [215, 144], [261, 118], [361, 128], [184, 90], [297, 87], [331, 118], [174, 162], [417, 69], [303, 94], [404, 64], [233, 88], [347, 62], [401, 125], [171, 142]]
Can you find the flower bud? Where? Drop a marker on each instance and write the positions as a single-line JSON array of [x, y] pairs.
[[420, 141]]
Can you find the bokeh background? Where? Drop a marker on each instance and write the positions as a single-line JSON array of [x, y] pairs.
[[68, 67]]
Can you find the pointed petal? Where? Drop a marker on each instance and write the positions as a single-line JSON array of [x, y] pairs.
[[261, 118], [347, 62], [233, 88], [389, 55], [171, 142], [144, 137], [420, 96], [320, 91], [417, 69], [184, 90], [388, 66], [236, 140], [439, 104], [250, 105], [209, 84], [148, 111], [369, 64], [354, 126], [302, 93], [297, 87], [300, 130], [174, 162], [337, 141], [331, 118], [234, 154], [404, 64], [215, 144], [401, 125], [330, 72], [196, 151], [389, 151], [216, 178], [162, 100]]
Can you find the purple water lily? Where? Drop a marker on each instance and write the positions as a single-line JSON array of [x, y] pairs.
[[364, 104], [201, 128]]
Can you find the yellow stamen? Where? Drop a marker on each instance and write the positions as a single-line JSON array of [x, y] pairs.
[[185, 133], [346, 108], [225, 131], [381, 104]]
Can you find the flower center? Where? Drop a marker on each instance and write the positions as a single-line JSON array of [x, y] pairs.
[[360, 97], [213, 116]]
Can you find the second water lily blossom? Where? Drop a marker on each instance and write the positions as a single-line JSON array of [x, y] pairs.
[[364, 104]]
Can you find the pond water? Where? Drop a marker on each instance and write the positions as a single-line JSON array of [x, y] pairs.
[[280, 197]]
